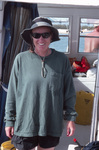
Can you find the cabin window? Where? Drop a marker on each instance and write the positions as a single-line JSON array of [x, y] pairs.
[[62, 24], [89, 35]]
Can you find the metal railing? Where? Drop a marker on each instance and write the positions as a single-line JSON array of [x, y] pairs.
[[95, 124]]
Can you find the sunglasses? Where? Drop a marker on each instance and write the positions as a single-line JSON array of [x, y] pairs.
[[44, 35]]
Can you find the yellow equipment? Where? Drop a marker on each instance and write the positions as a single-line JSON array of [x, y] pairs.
[[84, 105], [7, 146]]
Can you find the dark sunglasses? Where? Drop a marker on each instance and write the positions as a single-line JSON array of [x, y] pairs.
[[44, 35]]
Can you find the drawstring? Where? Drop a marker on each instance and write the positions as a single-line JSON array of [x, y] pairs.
[[43, 70]]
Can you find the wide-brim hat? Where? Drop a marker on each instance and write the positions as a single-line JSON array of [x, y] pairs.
[[40, 22]]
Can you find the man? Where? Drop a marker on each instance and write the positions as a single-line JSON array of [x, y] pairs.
[[92, 43]]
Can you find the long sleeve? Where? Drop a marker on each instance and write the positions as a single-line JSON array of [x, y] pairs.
[[69, 92], [10, 108]]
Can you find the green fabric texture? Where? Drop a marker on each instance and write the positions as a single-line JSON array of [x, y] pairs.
[[34, 104]]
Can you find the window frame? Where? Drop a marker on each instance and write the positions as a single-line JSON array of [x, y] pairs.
[[69, 29]]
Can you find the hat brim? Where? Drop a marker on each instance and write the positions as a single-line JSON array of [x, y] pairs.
[[26, 33]]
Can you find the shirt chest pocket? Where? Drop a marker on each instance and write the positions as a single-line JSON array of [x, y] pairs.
[[56, 81]]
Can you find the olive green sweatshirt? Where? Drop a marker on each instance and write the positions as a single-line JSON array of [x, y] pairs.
[[34, 104]]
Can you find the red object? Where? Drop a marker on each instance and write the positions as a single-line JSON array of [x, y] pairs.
[[81, 66], [77, 142], [74, 140]]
